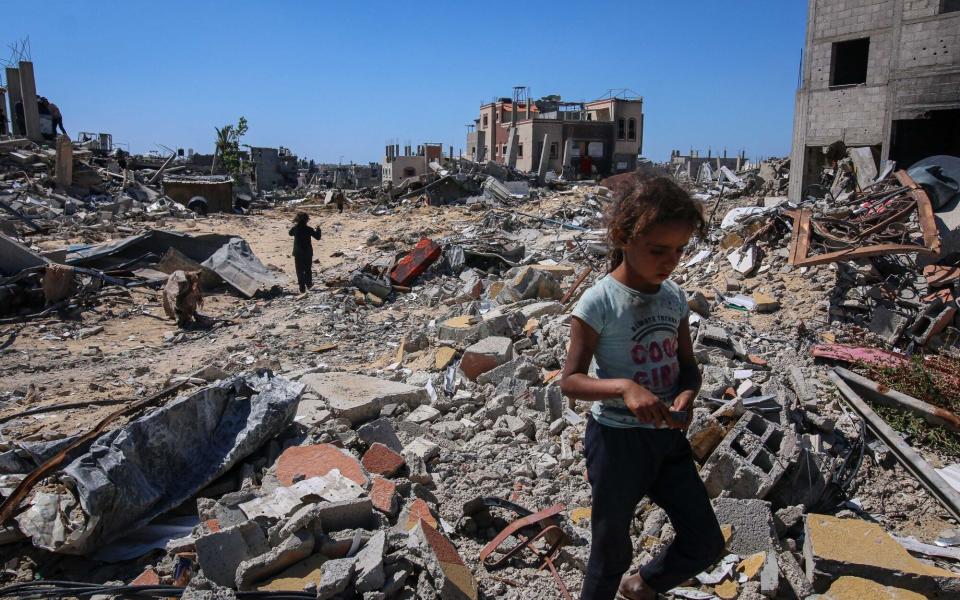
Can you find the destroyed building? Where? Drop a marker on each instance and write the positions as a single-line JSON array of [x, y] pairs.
[[397, 167], [691, 164], [877, 74], [601, 137], [273, 168]]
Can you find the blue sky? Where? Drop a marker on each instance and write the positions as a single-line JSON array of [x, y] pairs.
[[343, 79]]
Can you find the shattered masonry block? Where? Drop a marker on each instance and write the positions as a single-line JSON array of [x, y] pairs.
[[383, 495], [292, 550], [541, 309], [220, 553], [752, 523], [423, 414], [359, 398], [835, 547], [382, 460], [380, 431], [350, 514], [335, 576], [423, 448], [458, 329], [521, 368], [452, 578], [318, 460], [750, 460], [485, 355], [369, 566], [415, 512]]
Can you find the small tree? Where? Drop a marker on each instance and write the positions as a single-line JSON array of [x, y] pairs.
[[228, 146]]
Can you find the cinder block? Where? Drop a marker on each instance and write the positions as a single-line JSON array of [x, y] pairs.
[[750, 459], [752, 523]]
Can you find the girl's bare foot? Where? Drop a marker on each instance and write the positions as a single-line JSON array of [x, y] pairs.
[[633, 587]]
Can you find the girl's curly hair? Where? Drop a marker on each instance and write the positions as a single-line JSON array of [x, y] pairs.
[[301, 217], [646, 202]]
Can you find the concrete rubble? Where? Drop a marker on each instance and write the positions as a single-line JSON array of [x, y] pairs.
[[422, 376]]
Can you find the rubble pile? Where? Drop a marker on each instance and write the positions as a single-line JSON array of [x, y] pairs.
[[399, 430]]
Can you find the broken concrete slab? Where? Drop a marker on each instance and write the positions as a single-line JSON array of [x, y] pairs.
[[857, 588], [335, 576], [485, 355], [422, 448], [851, 547], [451, 576], [369, 566], [380, 431], [304, 462], [752, 523], [359, 398], [350, 514], [292, 550], [888, 324], [220, 553]]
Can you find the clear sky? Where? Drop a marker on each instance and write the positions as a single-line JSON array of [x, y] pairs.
[[343, 79]]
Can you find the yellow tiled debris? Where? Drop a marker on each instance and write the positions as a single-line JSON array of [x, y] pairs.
[[495, 288], [857, 542], [765, 302], [581, 514], [855, 588], [461, 322], [752, 564], [727, 531], [444, 355], [726, 590], [296, 577]]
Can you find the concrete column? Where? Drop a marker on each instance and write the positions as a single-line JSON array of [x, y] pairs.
[[511, 157], [4, 130], [544, 158], [31, 112], [567, 148], [64, 164], [13, 86]]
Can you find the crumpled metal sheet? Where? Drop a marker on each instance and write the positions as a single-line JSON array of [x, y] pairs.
[[236, 264], [134, 474], [940, 175]]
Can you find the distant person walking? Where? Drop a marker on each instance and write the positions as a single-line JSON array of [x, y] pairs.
[[303, 249], [338, 197]]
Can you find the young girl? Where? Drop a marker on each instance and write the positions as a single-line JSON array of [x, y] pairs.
[[633, 325], [303, 249]]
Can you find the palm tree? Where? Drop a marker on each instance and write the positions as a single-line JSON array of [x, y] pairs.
[[221, 145]]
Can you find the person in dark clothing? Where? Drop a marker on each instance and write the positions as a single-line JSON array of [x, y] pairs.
[[303, 249], [339, 199]]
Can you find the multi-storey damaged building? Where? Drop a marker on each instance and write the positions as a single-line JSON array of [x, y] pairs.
[[884, 74], [397, 167], [579, 138]]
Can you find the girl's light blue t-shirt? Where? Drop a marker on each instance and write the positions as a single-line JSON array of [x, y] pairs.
[[638, 341]]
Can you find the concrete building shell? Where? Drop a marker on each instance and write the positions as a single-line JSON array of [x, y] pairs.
[[877, 73]]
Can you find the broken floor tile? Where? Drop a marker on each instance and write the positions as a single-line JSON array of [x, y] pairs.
[[305, 462]]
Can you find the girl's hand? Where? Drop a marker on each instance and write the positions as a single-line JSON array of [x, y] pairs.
[[684, 402], [646, 406]]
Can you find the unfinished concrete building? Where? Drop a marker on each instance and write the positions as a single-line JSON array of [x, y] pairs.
[[397, 167], [601, 137], [273, 168], [883, 74]]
